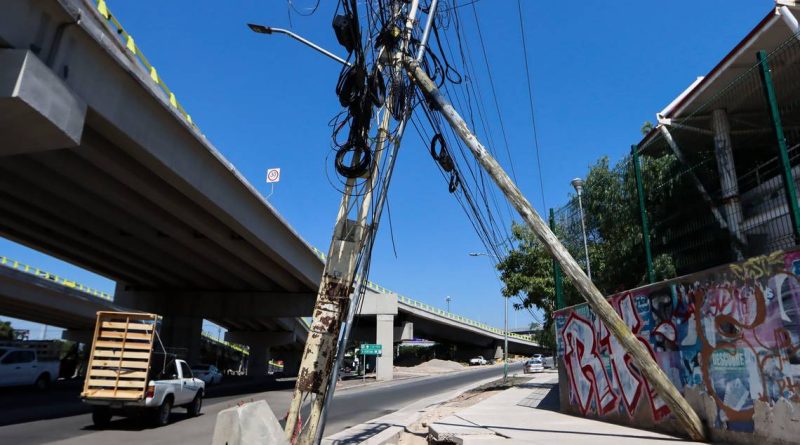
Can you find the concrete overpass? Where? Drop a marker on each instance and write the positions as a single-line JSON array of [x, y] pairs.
[[99, 166], [102, 167], [385, 318], [29, 293]]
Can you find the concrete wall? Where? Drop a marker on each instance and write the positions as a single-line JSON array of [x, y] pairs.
[[728, 338]]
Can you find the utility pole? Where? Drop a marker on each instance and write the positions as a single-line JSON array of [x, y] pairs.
[[352, 238], [641, 356]]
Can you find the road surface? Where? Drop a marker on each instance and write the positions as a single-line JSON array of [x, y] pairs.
[[350, 407]]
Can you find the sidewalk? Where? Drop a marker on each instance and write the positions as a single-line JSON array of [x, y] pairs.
[[528, 414]]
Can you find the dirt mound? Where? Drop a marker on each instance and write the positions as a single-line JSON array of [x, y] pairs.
[[435, 366]]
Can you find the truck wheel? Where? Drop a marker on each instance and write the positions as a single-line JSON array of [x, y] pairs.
[[163, 412], [101, 416], [193, 409], [43, 382]]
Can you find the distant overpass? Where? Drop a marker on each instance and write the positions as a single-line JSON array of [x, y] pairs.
[[33, 294], [29, 293], [102, 167]]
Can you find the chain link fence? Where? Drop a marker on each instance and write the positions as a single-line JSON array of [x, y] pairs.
[[712, 176]]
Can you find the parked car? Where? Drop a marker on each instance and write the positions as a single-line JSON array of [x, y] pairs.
[[210, 374], [549, 362], [477, 361], [21, 366], [533, 365]]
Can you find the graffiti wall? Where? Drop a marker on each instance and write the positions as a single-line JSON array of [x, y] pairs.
[[728, 338]]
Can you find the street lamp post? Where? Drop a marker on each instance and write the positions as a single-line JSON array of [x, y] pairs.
[[505, 321], [578, 184], [447, 299]]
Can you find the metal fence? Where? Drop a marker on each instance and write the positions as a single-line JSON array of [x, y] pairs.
[[717, 180]]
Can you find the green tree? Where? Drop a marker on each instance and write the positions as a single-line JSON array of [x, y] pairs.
[[613, 227], [6, 331]]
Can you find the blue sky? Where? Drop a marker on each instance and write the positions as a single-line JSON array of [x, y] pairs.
[[600, 69]]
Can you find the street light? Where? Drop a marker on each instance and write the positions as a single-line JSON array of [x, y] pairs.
[[261, 29], [505, 321], [447, 299], [578, 184]]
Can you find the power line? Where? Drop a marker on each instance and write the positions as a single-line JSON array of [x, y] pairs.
[[530, 101], [494, 92], [473, 91]]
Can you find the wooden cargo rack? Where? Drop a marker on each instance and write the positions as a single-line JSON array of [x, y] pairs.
[[120, 356]]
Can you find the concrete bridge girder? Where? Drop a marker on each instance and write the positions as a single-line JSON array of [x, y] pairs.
[[84, 94]]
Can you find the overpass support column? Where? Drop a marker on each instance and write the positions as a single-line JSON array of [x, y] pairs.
[[182, 334], [495, 352], [258, 360], [77, 336], [291, 363], [385, 337], [259, 344]]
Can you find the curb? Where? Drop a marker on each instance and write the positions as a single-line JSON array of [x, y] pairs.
[[421, 376], [397, 420]]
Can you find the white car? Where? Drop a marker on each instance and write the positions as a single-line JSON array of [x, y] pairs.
[[21, 366], [173, 386], [533, 365], [477, 361], [207, 373]]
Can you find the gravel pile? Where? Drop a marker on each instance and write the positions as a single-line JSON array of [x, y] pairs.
[[434, 366]]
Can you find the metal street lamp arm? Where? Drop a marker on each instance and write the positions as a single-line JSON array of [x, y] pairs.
[[261, 29]]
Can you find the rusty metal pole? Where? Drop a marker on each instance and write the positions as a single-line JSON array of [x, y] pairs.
[[333, 300], [641, 356], [336, 287]]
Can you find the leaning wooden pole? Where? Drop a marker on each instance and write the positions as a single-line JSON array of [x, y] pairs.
[[641, 356]]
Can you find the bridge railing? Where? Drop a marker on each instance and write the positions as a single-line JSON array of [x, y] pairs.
[[434, 310], [22, 267], [459, 318], [126, 39]]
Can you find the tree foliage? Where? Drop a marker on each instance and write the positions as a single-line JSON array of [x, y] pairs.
[[6, 331], [613, 227]]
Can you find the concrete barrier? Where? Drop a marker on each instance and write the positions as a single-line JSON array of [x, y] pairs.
[[251, 423]]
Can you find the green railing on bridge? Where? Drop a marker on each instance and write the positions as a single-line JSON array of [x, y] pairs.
[[434, 310], [22, 267], [126, 39]]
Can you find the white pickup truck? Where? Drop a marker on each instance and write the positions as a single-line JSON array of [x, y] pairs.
[[126, 375], [21, 366], [174, 386], [477, 361]]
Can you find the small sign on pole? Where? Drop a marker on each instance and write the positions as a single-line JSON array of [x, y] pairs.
[[273, 175]]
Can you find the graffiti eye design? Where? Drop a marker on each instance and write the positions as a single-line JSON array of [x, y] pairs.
[[728, 329]]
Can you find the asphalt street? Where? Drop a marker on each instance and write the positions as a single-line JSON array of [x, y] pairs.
[[350, 407]]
